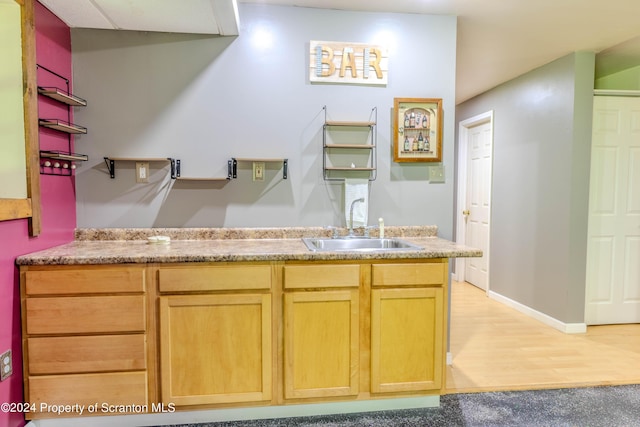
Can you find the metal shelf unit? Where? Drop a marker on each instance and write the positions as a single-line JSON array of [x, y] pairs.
[[61, 162], [330, 149]]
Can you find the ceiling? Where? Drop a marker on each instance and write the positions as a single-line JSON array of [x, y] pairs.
[[173, 16], [497, 39]]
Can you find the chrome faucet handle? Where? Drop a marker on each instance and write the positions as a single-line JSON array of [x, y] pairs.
[[367, 230], [334, 231]]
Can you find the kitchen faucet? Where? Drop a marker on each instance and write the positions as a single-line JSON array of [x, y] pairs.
[[351, 234]]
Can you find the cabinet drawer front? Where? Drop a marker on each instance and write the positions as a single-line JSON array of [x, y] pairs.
[[321, 276], [85, 281], [62, 315], [128, 388], [409, 274], [215, 278], [65, 355]]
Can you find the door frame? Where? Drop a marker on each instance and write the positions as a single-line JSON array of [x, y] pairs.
[[463, 144]]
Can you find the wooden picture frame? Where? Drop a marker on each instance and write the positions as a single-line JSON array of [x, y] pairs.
[[417, 129]]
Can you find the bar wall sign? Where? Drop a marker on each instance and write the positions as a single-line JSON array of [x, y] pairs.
[[352, 63]]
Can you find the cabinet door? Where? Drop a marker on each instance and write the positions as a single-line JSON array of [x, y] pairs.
[[407, 328], [215, 348], [321, 344]]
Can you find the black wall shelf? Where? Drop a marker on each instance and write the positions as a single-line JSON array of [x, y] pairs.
[[233, 173], [111, 163], [58, 162]]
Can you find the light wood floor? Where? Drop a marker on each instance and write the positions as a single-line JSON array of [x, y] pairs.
[[496, 348]]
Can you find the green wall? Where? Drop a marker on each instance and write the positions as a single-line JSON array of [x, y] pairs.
[[13, 168], [628, 79]]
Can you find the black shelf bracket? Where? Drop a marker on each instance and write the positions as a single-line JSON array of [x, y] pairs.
[[175, 167], [111, 165]]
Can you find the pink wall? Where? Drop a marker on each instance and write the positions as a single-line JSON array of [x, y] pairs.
[[53, 50]]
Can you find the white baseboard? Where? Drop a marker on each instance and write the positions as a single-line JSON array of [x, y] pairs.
[[240, 414], [449, 358], [567, 328]]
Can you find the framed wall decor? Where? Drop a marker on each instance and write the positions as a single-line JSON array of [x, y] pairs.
[[417, 130]]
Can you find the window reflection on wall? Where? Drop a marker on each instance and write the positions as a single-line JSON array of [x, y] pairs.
[[13, 169]]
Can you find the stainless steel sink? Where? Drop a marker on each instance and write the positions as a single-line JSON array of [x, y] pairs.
[[357, 244]]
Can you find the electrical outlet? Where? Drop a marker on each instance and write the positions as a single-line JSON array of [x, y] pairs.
[[142, 172], [6, 367], [436, 173], [258, 171]]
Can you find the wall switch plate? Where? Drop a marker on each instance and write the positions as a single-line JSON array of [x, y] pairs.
[[142, 172], [436, 173], [6, 365], [258, 171]]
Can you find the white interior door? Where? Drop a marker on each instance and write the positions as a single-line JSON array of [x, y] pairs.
[[476, 147], [613, 247]]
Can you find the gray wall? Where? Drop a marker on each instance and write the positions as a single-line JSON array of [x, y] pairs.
[[205, 99], [542, 145]]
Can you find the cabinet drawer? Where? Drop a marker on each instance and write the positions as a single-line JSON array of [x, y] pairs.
[[62, 315], [215, 278], [321, 276], [65, 355], [411, 274], [85, 281], [128, 388]]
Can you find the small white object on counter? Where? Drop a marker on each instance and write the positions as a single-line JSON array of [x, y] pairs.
[[381, 226], [159, 240]]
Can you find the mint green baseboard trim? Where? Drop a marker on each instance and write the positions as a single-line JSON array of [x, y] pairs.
[[246, 413]]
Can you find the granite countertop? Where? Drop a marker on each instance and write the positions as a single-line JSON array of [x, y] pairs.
[[117, 246]]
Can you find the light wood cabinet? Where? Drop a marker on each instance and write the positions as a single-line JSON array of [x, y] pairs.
[[406, 339], [321, 343], [229, 334], [208, 278], [86, 314], [86, 353], [216, 342], [409, 274], [321, 330], [111, 389], [408, 327], [317, 276], [215, 348], [84, 336]]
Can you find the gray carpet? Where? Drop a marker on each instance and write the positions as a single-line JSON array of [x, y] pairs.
[[617, 406]]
